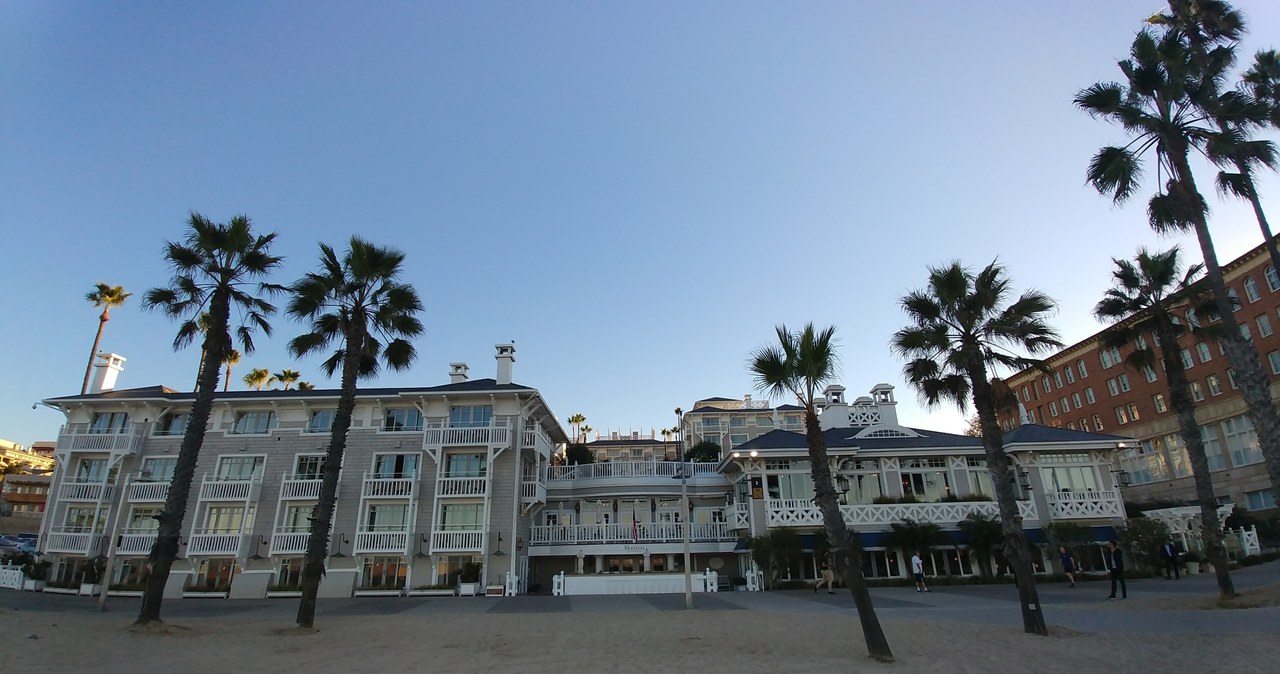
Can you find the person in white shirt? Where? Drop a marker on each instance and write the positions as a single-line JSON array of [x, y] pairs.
[[917, 569]]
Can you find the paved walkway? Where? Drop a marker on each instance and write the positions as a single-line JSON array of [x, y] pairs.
[[1083, 608]]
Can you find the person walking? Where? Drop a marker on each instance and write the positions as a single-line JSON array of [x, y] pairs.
[[1169, 554], [826, 578], [917, 570], [1115, 564], [1068, 563]]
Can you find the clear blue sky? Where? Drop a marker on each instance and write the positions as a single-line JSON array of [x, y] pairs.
[[637, 193]]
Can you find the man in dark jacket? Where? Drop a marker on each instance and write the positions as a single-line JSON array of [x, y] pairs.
[[1115, 564], [1169, 553]]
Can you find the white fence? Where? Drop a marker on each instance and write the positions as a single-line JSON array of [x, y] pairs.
[[631, 583], [11, 577]]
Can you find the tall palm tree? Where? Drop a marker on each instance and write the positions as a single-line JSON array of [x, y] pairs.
[[360, 303], [963, 329], [107, 297], [258, 378], [216, 268], [233, 358], [1140, 303], [984, 534], [577, 419], [287, 377], [800, 364], [1163, 104], [586, 432]]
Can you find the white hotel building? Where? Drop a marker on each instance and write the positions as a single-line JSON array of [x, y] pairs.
[[439, 478]]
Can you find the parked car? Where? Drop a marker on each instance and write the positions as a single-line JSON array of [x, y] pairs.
[[13, 545]]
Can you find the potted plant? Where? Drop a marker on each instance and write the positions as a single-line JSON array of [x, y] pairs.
[[91, 576], [1192, 559], [437, 590], [469, 579], [35, 574]]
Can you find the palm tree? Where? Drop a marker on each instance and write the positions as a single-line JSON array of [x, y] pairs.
[[984, 534], [800, 364], [1164, 103], [287, 377], [586, 432], [306, 386], [911, 536], [1140, 303], [107, 297], [257, 378], [962, 330], [576, 420], [233, 358], [360, 303], [216, 268]]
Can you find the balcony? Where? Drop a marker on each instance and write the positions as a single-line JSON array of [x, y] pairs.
[[215, 542], [300, 488], [83, 489], [533, 491], [461, 486], [443, 435], [135, 543], [152, 492], [653, 532], [289, 542], [802, 512], [218, 488], [400, 486], [457, 541], [1080, 505], [78, 438], [536, 440], [739, 516], [630, 469], [382, 542], [72, 540]]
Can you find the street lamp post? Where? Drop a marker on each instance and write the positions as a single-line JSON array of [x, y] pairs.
[[684, 497]]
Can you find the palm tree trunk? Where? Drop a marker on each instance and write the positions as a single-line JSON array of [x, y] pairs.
[[1241, 353], [165, 549], [1016, 545], [226, 381], [1184, 409], [102, 324], [848, 549], [322, 520], [1254, 201]]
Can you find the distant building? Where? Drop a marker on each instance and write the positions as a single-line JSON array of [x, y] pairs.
[[30, 459], [25, 496]]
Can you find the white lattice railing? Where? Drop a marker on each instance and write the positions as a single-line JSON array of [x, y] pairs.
[[389, 487], [739, 517], [1070, 505], [294, 488], [802, 512], [653, 532], [11, 576], [136, 543], [439, 436], [84, 490], [460, 486], [213, 488], [148, 491], [215, 543], [376, 542], [289, 542], [457, 541], [630, 469]]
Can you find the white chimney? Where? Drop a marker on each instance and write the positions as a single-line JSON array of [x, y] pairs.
[[457, 373], [106, 371], [506, 357]]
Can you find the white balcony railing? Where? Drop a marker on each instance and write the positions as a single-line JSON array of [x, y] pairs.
[[532, 491], [442, 435], [461, 486], [289, 542], [536, 440], [84, 490], [377, 542], [77, 437], [299, 488], [389, 487], [148, 491], [215, 543], [802, 512], [651, 532], [457, 541], [136, 543], [214, 488], [630, 469], [72, 540], [1069, 505], [739, 517]]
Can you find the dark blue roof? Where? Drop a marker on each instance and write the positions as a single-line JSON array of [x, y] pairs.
[[171, 394], [1039, 433], [629, 441], [843, 437]]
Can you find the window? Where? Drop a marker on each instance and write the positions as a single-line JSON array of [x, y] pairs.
[[1212, 447], [1264, 326], [1197, 393], [1088, 395], [308, 467], [1187, 362], [764, 421], [321, 421], [173, 423], [1026, 395], [1231, 379], [159, 468], [1144, 463], [1242, 441], [1097, 422], [1109, 357], [1179, 462], [1044, 385], [737, 422], [297, 519], [1057, 379], [1053, 408], [1113, 386], [1066, 405], [923, 483], [1274, 359], [84, 519], [91, 470], [214, 574], [228, 520], [108, 422], [1124, 382], [289, 574], [1251, 289], [254, 423], [465, 516], [1084, 424], [1244, 331], [1263, 499], [387, 517], [383, 573], [466, 465], [1215, 388], [1235, 299], [1071, 375], [1080, 366], [736, 439], [1069, 478], [1133, 411], [402, 419], [1273, 281], [1121, 416], [1150, 373], [470, 416], [1202, 350], [1075, 398], [395, 466], [239, 468], [1158, 401]]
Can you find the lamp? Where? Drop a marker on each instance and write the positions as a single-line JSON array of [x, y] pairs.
[[842, 487], [519, 544], [498, 551], [341, 538], [262, 540], [1024, 480], [1122, 478]]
